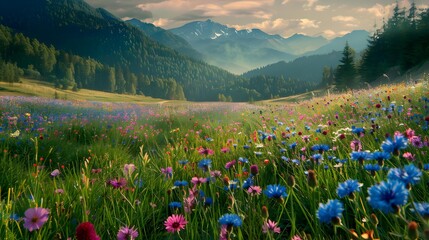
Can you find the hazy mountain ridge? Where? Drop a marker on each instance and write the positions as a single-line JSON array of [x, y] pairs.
[[166, 38], [242, 50]]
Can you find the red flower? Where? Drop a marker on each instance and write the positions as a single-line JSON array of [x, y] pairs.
[[86, 231]]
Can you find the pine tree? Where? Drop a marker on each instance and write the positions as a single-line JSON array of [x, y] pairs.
[[346, 71]]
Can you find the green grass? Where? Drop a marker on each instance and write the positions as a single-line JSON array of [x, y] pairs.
[[36, 88], [90, 143]]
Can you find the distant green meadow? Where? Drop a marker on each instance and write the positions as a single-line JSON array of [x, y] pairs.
[[343, 166]]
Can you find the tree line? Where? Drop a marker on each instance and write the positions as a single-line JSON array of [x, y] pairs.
[[401, 42]]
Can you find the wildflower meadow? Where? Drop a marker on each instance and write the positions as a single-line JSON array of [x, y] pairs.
[[353, 165]]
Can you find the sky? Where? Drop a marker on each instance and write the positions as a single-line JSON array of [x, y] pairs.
[[328, 18]]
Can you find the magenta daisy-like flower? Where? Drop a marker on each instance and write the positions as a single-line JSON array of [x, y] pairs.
[[254, 190], [175, 223], [270, 226], [127, 233], [35, 218]]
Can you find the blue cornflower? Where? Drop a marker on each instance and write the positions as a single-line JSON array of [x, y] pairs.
[[422, 209], [208, 201], [393, 146], [348, 187], [320, 148], [357, 130], [175, 205], [410, 174], [360, 156], [180, 183], [246, 146], [372, 167], [282, 150], [205, 164], [230, 220], [248, 183], [275, 191], [380, 156], [387, 196], [292, 145], [426, 166], [243, 160], [331, 211], [183, 162], [317, 157]]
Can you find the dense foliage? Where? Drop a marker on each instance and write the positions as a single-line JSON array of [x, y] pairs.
[[402, 41]]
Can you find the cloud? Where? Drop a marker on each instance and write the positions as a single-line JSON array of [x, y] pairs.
[[321, 8], [285, 2], [329, 33], [161, 22], [123, 9], [310, 3], [307, 23], [268, 26], [378, 10], [344, 19]]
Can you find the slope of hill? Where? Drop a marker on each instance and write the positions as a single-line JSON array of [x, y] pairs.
[[166, 38], [307, 68], [76, 27]]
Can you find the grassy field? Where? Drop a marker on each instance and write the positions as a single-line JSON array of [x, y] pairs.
[[340, 166], [29, 87]]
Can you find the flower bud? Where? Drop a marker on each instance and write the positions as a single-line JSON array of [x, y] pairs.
[[265, 212], [254, 169], [311, 178], [413, 232], [291, 181]]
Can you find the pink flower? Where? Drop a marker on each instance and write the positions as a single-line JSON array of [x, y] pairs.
[[126, 233], [86, 231], [296, 237], [224, 150], [223, 233], [356, 145], [254, 190], [205, 151], [55, 173], [409, 156], [175, 223], [129, 168], [230, 164], [270, 226], [197, 180], [35, 218]]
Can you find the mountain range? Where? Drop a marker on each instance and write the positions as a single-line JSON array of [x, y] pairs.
[[162, 63], [242, 50]]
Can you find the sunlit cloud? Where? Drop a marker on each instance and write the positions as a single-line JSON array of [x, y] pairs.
[[321, 8], [161, 22], [344, 19], [378, 10], [328, 33], [307, 23]]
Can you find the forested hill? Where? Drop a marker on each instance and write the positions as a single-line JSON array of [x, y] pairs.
[[307, 69], [77, 28]]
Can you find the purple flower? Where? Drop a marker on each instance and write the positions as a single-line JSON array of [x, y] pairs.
[[126, 233], [35, 218], [270, 226], [55, 173], [118, 183], [168, 172], [129, 168], [230, 164]]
